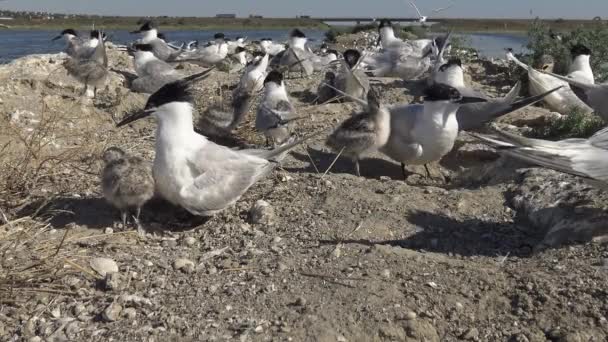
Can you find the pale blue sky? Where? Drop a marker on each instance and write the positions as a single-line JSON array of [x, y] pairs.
[[288, 8]]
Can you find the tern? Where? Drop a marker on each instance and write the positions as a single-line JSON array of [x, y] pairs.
[[126, 182], [587, 158], [149, 35], [320, 62], [475, 115], [206, 56], [191, 171], [152, 72], [561, 101], [77, 47], [92, 72], [362, 133], [238, 43], [421, 134], [388, 40], [349, 78], [275, 114], [297, 57], [271, 48]]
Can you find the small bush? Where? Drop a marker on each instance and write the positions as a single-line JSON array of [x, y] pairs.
[[542, 40], [575, 125]]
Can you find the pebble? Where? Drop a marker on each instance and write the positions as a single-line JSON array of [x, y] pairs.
[[459, 306], [189, 241], [104, 266], [79, 309], [108, 230], [112, 312], [262, 213], [410, 316], [184, 265], [259, 329], [386, 273], [35, 339], [129, 313], [56, 312]]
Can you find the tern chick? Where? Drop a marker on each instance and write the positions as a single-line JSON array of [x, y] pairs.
[[93, 71], [275, 114], [126, 182], [362, 133]]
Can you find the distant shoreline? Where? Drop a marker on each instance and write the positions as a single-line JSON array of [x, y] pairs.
[[192, 23]]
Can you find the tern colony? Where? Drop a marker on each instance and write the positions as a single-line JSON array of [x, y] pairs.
[[203, 177]]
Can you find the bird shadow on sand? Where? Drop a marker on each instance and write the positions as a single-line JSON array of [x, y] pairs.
[[469, 237], [129, 76], [373, 168], [97, 213]]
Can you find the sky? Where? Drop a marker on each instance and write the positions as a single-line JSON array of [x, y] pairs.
[[567, 9]]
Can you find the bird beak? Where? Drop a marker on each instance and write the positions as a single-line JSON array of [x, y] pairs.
[[135, 117], [56, 38], [471, 99], [134, 32]]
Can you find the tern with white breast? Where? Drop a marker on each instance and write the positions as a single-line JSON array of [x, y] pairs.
[[191, 171], [149, 35], [297, 58], [206, 56], [152, 72], [92, 72]]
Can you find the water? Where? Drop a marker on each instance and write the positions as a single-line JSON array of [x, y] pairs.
[[19, 43]]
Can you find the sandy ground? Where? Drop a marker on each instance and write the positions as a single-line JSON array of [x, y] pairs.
[[501, 252]]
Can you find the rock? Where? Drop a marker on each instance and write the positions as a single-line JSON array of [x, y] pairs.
[[259, 329], [189, 241], [35, 339], [386, 273], [301, 301], [410, 316], [79, 309], [471, 334], [112, 312], [56, 312], [129, 313], [104, 266], [184, 265], [262, 213], [109, 230]]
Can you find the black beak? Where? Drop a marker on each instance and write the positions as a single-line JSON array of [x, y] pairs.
[[135, 117], [134, 32], [471, 99], [56, 38]]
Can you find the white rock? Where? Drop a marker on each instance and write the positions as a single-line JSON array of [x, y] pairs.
[[104, 266], [184, 265], [112, 312]]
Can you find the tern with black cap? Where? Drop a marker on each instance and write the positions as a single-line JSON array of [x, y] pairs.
[[191, 171]]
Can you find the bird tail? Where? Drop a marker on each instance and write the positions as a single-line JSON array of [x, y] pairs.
[[513, 93]]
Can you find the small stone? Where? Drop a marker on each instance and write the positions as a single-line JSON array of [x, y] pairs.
[[386, 273], [262, 213], [189, 241], [459, 306], [184, 265], [410, 316], [56, 312], [259, 329], [129, 313], [281, 267], [35, 339], [471, 334], [79, 309], [108, 230], [148, 263], [104, 266], [72, 329], [112, 312]]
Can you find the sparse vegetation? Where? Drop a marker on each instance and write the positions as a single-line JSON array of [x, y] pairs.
[[574, 125], [544, 40]]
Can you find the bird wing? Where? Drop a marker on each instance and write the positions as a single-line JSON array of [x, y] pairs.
[[353, 133], [157, 67], [150, 84], [416, 8], [225, 175]]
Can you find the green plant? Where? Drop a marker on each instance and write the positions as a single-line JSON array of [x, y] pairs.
[[575, 125], [542, 40]]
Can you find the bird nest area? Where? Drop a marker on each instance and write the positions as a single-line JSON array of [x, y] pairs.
[[37, 259]]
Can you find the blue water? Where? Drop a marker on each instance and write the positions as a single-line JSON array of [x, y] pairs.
[[18, 43]]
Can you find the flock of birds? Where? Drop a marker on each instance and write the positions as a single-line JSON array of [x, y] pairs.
[[203, 177]]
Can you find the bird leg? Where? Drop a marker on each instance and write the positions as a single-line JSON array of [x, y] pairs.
[[404, 172], [123, 215], [140, 229], [357, 169]]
